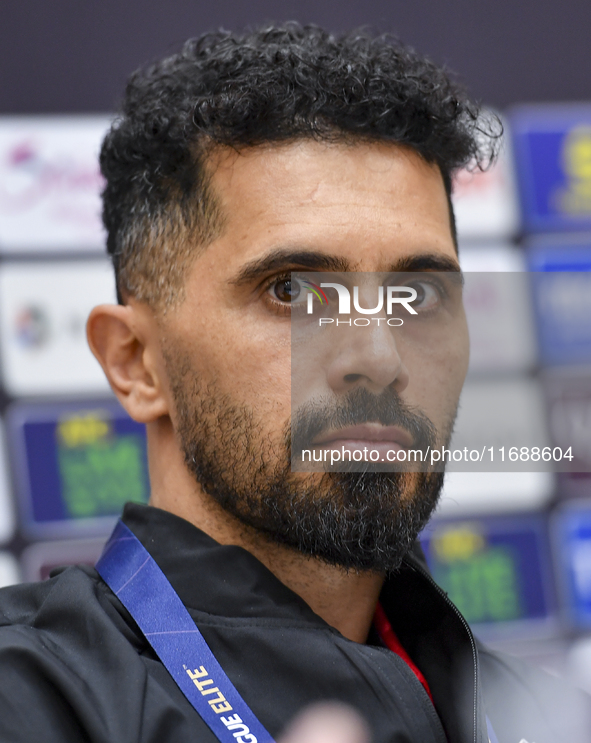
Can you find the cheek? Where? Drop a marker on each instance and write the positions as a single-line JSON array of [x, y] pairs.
[[437, 373], [249, 366]]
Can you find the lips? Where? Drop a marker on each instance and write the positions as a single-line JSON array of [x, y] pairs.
[[366, 434]]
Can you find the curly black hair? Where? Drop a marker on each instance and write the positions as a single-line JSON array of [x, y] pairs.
[[273, 84]]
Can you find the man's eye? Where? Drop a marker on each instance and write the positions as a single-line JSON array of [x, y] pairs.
[[427, 295], [286, 290]]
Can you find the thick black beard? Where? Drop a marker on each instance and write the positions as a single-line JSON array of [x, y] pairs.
[[362, 521]]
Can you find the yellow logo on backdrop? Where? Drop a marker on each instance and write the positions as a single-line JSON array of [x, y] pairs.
[[84, 428], [575, 198], [457, 543]]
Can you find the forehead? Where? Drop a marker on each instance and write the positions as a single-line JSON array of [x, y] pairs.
[[368, 202]]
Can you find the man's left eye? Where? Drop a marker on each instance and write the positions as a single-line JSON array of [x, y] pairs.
[[286, 290], [427, 295]]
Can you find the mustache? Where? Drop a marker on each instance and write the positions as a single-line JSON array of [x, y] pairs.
[[359, 406]]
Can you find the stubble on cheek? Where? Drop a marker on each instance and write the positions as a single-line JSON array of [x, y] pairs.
[[212, 426]]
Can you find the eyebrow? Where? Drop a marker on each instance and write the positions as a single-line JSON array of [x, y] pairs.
[[286, 259], [429, 262]]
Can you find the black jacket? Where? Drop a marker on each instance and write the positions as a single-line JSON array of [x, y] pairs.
[[74, 666]]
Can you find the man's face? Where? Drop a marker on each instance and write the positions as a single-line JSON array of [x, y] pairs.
[[311, 206]]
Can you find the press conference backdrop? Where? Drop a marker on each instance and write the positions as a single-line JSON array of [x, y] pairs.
[[513, 550]]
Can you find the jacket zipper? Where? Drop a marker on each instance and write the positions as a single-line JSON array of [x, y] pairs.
[[456, 611]]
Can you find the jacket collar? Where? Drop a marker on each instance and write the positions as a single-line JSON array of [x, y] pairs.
[[217, 579]]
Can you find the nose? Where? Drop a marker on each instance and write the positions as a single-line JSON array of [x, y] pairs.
[[367, 355]]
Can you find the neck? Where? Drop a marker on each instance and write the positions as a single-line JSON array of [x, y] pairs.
[[345, 599]]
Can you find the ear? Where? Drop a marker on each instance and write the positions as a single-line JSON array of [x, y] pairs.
[[124, 340]]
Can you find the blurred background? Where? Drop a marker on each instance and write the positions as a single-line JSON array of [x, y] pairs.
[[512, 549]]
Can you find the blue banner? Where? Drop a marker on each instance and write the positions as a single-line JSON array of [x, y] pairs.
[[76, 465], [496, 570], [561, 292], [552, 145], [572, 530]]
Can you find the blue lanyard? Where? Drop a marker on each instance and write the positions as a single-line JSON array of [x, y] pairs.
[[134, 577], [492, 738]]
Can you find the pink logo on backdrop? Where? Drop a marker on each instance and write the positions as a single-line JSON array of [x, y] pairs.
[[30, 177]]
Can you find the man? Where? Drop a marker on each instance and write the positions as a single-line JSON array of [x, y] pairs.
[[237, 165]]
